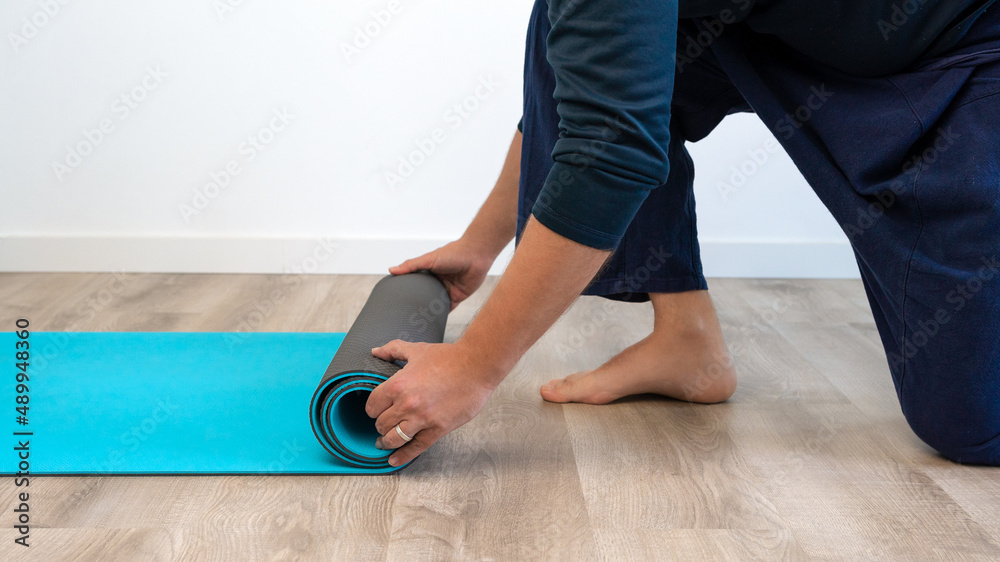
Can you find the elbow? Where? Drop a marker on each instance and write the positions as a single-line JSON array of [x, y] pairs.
[[655, 155], [660, 167], [644, 163]]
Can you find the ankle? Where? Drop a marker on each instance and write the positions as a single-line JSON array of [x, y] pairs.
[[693, 333]]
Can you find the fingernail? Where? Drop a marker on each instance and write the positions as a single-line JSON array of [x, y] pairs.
[[393, 461], [378, 445], [374, 349]]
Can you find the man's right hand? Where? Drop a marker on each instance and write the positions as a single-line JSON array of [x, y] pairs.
[[460, 267]]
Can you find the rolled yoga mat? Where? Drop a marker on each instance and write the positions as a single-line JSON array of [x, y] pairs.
[[410, 307], [135, 403]]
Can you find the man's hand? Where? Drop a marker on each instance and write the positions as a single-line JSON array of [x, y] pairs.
[[444, 385], [440, 389], [458, 265], [463, 264]]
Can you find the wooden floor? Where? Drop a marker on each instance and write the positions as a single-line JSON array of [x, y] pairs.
[[810, 459]]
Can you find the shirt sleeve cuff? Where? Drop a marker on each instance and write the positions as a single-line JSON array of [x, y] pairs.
[[588, 206]]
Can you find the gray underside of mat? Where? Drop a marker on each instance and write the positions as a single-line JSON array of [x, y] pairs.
[[412, 307]]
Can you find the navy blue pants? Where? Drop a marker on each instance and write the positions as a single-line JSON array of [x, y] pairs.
[[908, 164]]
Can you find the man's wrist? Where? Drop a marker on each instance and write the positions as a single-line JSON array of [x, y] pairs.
[[485, 247], [483, 360]]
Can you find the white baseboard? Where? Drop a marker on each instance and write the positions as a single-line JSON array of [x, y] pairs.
[[176, 254]]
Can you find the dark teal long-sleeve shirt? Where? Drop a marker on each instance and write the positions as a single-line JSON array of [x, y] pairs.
[[614, 60]]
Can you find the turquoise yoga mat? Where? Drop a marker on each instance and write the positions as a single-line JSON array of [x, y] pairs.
[[144, 403], [177, 403]]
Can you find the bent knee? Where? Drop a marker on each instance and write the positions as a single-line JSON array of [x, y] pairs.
[[951, 399], [965, 441]]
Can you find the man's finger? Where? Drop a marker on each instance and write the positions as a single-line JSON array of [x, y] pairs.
[[455, 295], [387, 420], [402, 408], [421, 442], [393, 351], [411, 265], [378, 401], [393, 440]]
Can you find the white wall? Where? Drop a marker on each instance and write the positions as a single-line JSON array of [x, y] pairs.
[[202, 77]]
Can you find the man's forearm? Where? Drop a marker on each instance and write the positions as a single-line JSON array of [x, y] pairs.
[[496, 222], [545, 276]]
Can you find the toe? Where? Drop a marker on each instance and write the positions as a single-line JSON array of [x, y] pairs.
[[582, 387], [555, 391]]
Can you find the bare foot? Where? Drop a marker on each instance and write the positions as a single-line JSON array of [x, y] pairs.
[[685, 358]]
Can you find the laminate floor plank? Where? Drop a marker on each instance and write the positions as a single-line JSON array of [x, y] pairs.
[[811, 459]]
